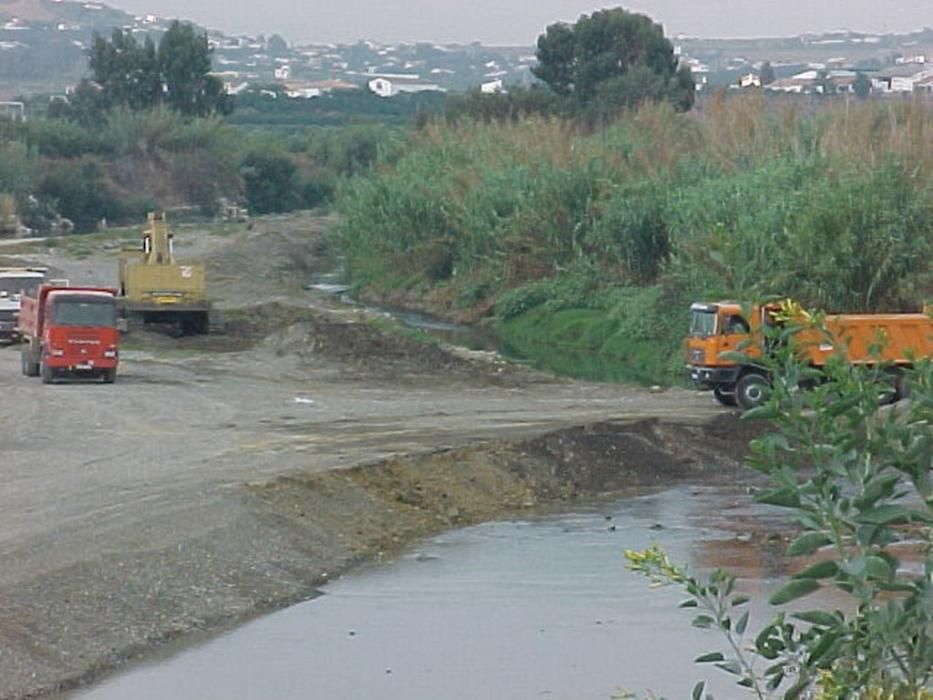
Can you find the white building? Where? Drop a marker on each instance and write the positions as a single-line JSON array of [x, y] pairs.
[[491, 87], [390, 87]]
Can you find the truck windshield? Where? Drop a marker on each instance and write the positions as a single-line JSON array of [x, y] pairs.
[[702, 323], [84, 311]]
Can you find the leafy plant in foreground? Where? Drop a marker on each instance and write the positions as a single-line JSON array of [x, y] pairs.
[[857, 476]]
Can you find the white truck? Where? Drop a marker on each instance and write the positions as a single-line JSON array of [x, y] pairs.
[[14, 283]]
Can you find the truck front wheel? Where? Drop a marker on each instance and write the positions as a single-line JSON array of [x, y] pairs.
[[751, 391], [45, 371]]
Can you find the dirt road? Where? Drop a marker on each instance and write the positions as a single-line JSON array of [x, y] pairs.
[[128, 513]]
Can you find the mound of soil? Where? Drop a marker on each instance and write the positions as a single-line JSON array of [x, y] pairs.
[[317, 337]]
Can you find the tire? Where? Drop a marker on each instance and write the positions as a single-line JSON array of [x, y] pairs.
[[29, 365], [109, 376], [901, 387], [45, 371], [751, 391], [726, 398]]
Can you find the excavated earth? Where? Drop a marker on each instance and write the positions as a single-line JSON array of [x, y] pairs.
[[225, 476]]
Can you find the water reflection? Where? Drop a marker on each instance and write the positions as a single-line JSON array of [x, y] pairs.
[[541, 608]]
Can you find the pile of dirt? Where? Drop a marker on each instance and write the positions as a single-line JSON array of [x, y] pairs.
[[317, 337], [272, 259], [382, 507]]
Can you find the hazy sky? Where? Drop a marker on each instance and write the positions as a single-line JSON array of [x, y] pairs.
[[520, 21]]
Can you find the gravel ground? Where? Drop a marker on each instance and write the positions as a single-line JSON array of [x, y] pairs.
[[222, 477]]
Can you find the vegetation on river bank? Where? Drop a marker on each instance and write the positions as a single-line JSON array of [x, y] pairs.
[[598, 242]]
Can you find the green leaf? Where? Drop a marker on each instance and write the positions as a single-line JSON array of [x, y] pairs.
[[775, 681], [688, 604], [746, 683], [808, 543], [738, 600], [742, 623], [854, 566], [820, 570], [878, 568], [776, 668], [884, 515], [818, 617], [825, 648], [877, 489], [703, 621], [709, 658], [783, 497], [766, 412], [793, 590], [732, 667], [796, 689], [698, 690]]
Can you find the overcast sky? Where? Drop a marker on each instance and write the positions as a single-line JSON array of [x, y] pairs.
[[520, 21]]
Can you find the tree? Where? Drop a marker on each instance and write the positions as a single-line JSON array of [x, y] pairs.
[[271, 182], [140, 76], [276, 46], [861, 86], [126, 71], [612, 59], [185, 63], [767, 73]]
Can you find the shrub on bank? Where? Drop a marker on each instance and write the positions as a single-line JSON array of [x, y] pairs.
[[739, 201]]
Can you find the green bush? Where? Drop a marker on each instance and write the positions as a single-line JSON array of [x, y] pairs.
[[80, 194], [271, 182], [856, 478]]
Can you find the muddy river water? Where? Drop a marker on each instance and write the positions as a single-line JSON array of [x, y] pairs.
[[537, 608]]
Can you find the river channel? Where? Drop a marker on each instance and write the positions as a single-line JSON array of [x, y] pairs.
[[542, 607]]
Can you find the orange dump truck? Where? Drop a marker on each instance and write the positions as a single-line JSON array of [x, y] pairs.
[[69, 331], [727, 326]]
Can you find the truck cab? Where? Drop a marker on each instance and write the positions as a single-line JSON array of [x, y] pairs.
[[70, 331], [717, 329]]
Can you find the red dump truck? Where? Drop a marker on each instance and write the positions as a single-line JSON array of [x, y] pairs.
[[69, 331], [716, 329]]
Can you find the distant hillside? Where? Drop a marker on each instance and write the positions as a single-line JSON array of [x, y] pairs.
[[43, 44], [26, 10]]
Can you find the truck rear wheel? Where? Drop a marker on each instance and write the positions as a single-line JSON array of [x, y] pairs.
[[751, 391], [29, 366]]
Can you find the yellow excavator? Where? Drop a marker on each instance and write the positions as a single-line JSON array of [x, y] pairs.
[[156, 289]]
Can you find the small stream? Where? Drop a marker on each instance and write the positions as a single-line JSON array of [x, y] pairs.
[[472, 337], [536, 608]]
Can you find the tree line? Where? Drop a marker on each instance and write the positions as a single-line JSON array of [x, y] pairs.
[[125, 73]]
